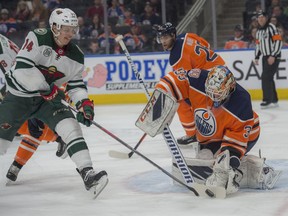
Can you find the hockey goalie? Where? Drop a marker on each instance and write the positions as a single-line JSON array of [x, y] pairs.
[[227, 128]]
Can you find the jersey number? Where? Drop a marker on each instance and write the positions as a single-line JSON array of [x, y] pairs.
[[13, 46], [28, 45], [209, 57]]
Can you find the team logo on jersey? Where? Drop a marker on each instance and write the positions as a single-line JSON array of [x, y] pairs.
[[205, 122], [195, 73], [41, 31], [5, 126], [47, 52], [51, 74]]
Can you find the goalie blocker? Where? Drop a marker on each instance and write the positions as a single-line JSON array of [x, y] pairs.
[[157, 114]]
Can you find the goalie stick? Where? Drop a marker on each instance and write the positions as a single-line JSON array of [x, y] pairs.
[[197, 189], [117, 154]]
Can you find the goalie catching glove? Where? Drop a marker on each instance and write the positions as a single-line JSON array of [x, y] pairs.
[[54, 95], [86, 112]]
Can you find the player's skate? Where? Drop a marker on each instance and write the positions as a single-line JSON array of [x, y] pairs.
[[62, 147], [187, 140], [13, 172], [94, 182], [269, 177]]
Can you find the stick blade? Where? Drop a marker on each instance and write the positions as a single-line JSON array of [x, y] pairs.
[[117, 154], [213, 192]]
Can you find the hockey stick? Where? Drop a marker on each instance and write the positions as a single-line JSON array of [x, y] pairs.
[[197, 189], [170, 140], [133, 150], [117, 154], [168, 137]]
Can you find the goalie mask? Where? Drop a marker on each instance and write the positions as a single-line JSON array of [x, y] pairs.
[[219, 84], [63, 17]]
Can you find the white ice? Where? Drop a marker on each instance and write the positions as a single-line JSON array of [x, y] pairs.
[[50, 186]]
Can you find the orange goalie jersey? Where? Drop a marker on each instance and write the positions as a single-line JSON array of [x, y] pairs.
[[233, 125], [191, 51]]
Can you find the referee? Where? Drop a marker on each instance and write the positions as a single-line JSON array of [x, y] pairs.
[[268, 44]]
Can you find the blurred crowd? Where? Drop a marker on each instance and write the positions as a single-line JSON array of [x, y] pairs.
[[131, 18], [244, 34]]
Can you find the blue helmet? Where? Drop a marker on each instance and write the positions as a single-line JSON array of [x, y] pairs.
[[165, 29]]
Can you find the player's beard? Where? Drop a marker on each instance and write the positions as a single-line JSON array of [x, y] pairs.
[[169, 46]]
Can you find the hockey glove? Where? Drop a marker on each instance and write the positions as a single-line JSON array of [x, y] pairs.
[[35, 127], [54, 95], [86, 111]]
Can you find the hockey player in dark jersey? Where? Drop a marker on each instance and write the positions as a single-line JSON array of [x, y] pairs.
[[47, 60], [187, 51]]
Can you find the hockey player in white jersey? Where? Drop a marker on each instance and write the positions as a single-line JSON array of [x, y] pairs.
[[46, 60], [8, 52]]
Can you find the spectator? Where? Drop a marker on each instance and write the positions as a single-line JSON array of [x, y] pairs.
[[238, 41], [284, 38], [84, 31], [156, 4], [137, 8], [53, 4], [42, 24], [275, 22], [114, 10], [252, 42], [93, 47], [277, 11], [113, 46], [39, 12], [97, 8], [129, 18], [172, 11], [8, 24], [22, 13], [97, 27], [149, 17], [134, 40], [253, 23]]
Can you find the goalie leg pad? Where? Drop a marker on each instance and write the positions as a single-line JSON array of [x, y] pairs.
[[224, 175], [256, 174], [199, 168], [158, 113]]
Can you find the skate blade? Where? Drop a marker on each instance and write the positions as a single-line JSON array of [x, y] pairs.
[[9, 182], [99, 187]]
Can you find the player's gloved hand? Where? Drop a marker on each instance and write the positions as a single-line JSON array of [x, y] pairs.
[[224, 175], [54, 95], [35, 127], [86, 111]]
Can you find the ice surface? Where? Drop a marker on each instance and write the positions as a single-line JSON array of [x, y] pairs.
[[50, 186]]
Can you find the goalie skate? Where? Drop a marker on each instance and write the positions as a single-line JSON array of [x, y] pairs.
[[94, 182]]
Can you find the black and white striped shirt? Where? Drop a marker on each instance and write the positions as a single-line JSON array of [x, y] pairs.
[[268, 41]]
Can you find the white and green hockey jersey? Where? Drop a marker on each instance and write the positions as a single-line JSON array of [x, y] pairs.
[[8, 52], [41, 62]]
